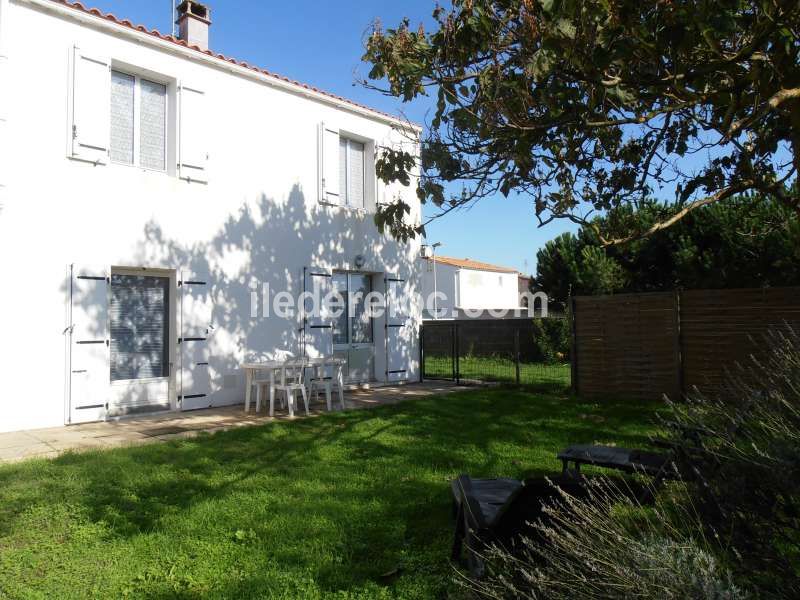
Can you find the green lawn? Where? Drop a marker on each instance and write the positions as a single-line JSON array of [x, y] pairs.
[[347, 505], [499, 369]]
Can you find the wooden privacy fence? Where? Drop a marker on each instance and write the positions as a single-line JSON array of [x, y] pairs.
[[651, 344]]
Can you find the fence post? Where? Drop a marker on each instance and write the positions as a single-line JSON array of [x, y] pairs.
[[516, 352], [455, 354], [453, 351], [678, 344], [421, 353], [573, 353]]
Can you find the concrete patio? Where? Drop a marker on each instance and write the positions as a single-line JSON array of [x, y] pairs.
[[48, 443]]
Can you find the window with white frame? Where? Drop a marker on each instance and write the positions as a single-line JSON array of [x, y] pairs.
[[351, 173], [138, 121]]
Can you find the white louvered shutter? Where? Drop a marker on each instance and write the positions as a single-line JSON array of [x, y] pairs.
[[4, 157], [344, 197], [329, 166], [398, 331], [380, 188], [5, 143], [90, 380], [317, 324], [91, 84], [193, 164], [373, 185], [198, 369], [5, 84]]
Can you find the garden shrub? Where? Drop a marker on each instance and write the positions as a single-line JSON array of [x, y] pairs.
[[551, 340], [745, 463], [733, 524], [609, 546]]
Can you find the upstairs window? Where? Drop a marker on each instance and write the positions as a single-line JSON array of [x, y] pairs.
[[351, 173], [138, 122]]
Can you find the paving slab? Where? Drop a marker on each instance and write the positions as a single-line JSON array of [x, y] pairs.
[[162, 427], [16, 440], [34, 450]]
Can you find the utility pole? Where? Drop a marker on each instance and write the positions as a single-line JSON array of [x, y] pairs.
[[435, 290]]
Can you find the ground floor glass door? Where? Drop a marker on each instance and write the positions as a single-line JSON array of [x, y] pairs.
[[353, 336], [139, 319]]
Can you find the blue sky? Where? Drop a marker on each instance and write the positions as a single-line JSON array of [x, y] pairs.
[[320, 43]]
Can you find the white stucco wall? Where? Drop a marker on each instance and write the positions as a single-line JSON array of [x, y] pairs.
[[258, 219], [446, 278], [487, 289]]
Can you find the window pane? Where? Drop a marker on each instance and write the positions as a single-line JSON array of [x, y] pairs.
[[339, 282], [121, 148], [355, 196], [152, 137], [361, 323], [139, 332], [342, 171]]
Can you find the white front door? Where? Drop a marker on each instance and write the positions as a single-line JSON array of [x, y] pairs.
[[140, 319], [353, 336]]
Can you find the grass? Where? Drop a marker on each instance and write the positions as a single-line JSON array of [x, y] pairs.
[[499, 369], [347, 505]]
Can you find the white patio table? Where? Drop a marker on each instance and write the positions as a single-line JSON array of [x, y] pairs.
[[276, 370]]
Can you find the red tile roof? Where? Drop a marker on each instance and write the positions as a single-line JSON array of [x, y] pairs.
[[169, 38], [466, 263]]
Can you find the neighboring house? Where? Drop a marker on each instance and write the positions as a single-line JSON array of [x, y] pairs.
[[150, 189], [463, 284]]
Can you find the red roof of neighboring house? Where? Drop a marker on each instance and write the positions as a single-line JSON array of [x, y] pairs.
[[466, 263], [169, 38]]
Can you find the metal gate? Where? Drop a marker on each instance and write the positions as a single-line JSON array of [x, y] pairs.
[[515, 351]]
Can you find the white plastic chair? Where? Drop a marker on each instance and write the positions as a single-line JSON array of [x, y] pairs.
[[291, 381], [320, 379], [263, 381]]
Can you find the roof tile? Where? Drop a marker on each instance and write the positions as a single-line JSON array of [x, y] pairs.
[[466, 263]]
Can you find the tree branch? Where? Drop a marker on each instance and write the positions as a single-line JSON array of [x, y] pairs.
[[720, 195]]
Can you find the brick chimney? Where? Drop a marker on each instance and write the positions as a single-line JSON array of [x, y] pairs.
[[194, 19]]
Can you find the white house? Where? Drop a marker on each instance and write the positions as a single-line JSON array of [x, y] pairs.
[[462, 285], [153, 195]]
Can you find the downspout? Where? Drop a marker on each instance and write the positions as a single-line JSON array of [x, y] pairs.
[[4, 15], [4, 96], [457, 293], [4, 12]]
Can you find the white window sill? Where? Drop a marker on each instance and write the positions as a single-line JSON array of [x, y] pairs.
[[353, 209], [117, 165], [143, 381], [138, 168]]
